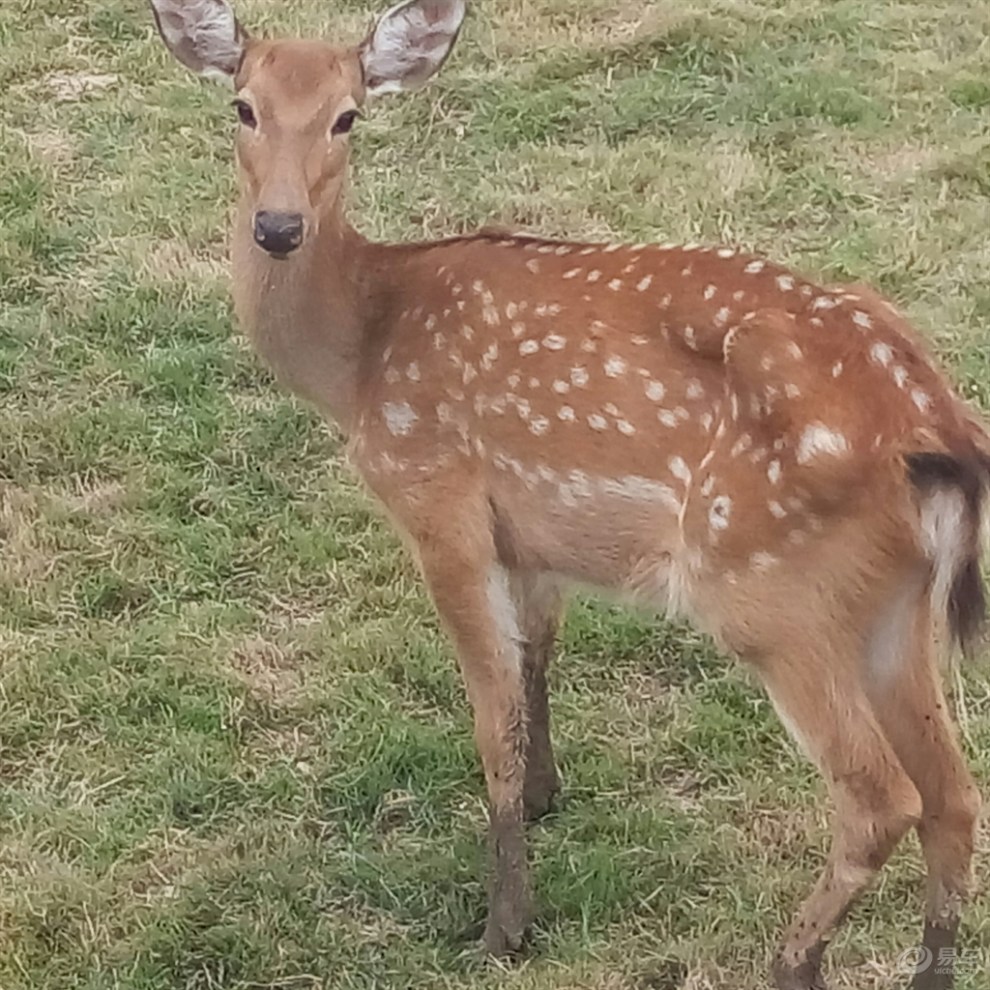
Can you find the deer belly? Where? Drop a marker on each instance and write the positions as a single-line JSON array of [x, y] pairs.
[[619, 535]]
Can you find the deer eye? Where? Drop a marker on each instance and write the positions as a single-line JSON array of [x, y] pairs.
[[245, 113], [344, 122]]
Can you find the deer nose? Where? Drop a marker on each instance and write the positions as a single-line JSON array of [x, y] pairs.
[[278, 233]]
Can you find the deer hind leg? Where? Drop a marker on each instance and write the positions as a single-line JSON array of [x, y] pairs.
[[539, 604], [821, 700], [904, 682], [473, 594]]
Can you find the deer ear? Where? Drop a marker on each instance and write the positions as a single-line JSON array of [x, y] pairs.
[[204, 35], [410, 43]]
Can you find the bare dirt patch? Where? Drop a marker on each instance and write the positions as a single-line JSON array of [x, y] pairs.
[[70, 87]]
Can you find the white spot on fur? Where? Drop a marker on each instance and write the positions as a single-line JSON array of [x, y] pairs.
[[741, 445], [528, 347], [597, 422], [594, 275], [720, 512], [837, 369], [554, 342], [921, 399], [816, 439], [762, 561], [400, 418], [709, 292], [539, 425], [655, 391], [785, 283], [862, 320], [773, 472], [755, 267], [579, 377], [490, 356], [679, 469], [644, 283], [615, 366], [881, 353], [566, 414], [776, 509]]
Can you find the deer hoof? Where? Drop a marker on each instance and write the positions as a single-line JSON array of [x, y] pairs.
[[502, 942], [806, 975], [538, 798]]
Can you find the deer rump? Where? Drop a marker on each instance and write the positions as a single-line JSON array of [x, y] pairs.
[[939, 447]]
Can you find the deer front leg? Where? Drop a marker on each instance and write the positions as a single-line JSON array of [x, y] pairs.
[[473, 594]]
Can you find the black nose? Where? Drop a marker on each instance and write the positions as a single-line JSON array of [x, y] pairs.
[[278, 233]]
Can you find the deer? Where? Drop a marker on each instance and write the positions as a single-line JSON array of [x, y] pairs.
[[695, 429]]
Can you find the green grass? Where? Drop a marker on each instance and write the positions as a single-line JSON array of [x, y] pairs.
[[234, 751]]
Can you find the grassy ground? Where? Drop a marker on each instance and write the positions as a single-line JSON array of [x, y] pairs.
[[234, 752]]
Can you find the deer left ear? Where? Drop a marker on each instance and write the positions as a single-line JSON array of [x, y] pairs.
[[409, 44], [204, 35]]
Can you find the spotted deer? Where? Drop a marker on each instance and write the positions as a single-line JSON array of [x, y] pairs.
[[698, 429]]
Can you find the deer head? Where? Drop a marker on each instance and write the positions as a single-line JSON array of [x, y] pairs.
[[298, 100]]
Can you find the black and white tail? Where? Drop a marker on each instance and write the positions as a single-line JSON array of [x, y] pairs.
[[953, 495]]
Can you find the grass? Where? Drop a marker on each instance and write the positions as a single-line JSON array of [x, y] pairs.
[[234, 752]]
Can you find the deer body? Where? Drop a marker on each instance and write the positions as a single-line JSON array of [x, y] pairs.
[[692, 428]]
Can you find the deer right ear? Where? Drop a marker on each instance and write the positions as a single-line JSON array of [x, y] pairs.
[[204, 35], [410, 43]]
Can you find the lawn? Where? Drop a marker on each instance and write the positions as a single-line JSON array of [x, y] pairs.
[[234, 749]]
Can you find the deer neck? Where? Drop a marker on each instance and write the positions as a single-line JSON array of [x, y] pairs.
[[307, 317]]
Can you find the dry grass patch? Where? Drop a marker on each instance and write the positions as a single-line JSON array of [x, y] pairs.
[[271, 673], [27, 556]]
